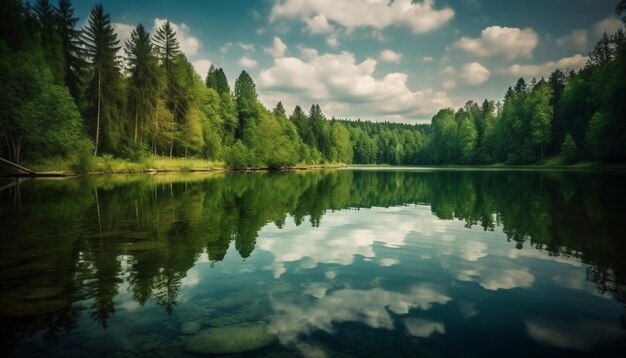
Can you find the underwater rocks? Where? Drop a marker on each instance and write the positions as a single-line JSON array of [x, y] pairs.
[[236, 338]]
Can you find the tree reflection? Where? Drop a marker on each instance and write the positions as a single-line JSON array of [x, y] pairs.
[[81, 242]]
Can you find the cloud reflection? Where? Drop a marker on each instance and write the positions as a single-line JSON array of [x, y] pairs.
[[371, 307]]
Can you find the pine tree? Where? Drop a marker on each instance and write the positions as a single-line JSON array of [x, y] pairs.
[[101, 46], [72, 49], [246, 101], [144, 79], [166, 45], [50, 39]]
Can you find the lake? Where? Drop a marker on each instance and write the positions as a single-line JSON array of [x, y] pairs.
[[343, 263]]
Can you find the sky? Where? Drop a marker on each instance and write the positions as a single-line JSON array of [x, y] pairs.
[[379, 60]]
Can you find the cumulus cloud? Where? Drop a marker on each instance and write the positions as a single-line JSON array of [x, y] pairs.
[[575, 62], [427, 59], [609, 25], [390, 56], [576, 39], [332, 41], [420, 17], [189, 44], [247, 62], [202, 66], [278, 48], [319, 25], [509, 42], [448, 85], [371, 307], [340, 78], [475, 73], [123, 32]]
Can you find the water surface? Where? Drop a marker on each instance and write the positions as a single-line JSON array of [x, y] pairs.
[[338, 264]]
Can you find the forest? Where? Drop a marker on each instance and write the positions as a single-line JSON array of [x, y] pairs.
[[66, 93]]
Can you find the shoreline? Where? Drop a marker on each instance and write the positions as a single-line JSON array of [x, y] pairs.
[[60, 168]]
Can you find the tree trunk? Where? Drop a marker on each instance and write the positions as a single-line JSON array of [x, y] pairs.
[[98, 115], [135, 124]]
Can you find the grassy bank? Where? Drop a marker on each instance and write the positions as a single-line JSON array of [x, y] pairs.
[[109, 165]]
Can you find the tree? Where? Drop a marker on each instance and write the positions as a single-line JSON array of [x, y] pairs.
[[166, 45], [101, 46], [38, 117], [246, 99], [72, 48], [340, 140], [569, 149], [144, 78], [443, 137], [541, 116], [50, 39]]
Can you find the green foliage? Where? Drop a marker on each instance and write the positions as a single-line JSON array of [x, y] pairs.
[[239, 157], [569, 150], [37, 116]]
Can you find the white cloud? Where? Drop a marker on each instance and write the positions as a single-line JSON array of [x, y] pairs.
[[340, 78], [278, 48], [509, 42], [123, 32], [475, 73], [189, 44], [420, 17], [449, 71], [332, 41], [427, 59], [578, 335], [371, 307], [246, 47], [226, 47], [577, 39], [423, 328], [319, 25], [449, 85], [609, 25], [575, 62], [390, 56], [202, 66], [494, 279], [247, 62]]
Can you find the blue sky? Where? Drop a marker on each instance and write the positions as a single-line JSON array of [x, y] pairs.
[[375, 59]]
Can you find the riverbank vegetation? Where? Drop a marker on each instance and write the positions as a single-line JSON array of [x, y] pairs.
[[81, 95]]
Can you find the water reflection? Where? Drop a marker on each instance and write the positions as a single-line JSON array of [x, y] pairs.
[[378, 249]]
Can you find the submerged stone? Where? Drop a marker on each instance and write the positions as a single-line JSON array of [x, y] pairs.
[[190, 327], [236, 338]]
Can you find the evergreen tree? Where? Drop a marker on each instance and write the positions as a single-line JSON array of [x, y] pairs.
[[50, 39], [166, 45], [101, 46], [246, 99], [72, 49], [144, 78]]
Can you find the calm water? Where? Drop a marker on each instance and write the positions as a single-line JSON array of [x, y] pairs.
[[337, 264]]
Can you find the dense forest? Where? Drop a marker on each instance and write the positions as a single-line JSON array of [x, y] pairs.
[[66, 92]]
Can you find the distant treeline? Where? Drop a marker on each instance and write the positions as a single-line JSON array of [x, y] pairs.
[[66, 92]]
